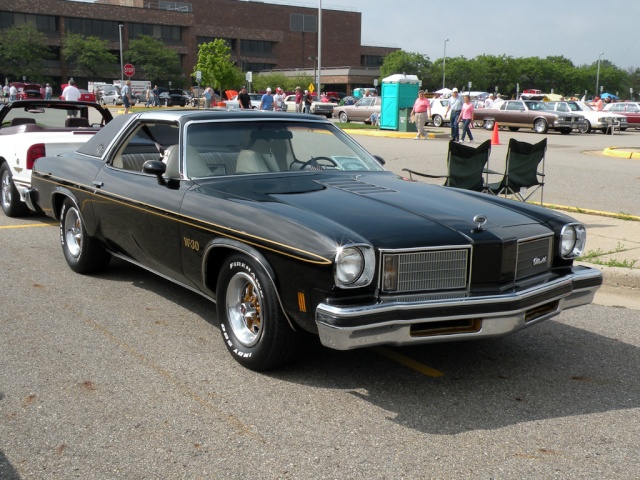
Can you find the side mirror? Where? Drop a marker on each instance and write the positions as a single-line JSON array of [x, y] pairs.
[[157, 168], [379, 159]]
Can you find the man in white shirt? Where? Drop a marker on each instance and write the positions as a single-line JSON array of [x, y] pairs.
[[488, 101], [72, 93]]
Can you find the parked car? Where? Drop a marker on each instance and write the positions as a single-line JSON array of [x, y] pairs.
[[534, 114], [594, 120], [317, 107], [270, 216], [631, 110], [113, 97], [31, 129], [361, 111], [172, 98], [234, 104], [28, 91], [439, 114]]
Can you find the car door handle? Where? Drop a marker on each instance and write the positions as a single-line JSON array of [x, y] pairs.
[[98, 184]]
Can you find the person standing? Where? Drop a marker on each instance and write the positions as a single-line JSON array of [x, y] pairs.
[[13, 93], [598, 103], [148, 96], [156, 96], [488, 102], [207, 97], [126, 96], [421, 111], [266, 103], [308, 101], [244, 100], [278, 100], [48, 91], [466, 114], [299, 100], [455, 107]]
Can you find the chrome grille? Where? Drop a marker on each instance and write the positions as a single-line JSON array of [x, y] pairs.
[[429, 270], [534, 257]]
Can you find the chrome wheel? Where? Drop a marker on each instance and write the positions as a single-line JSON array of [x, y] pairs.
[[6, 189], [437, 121], [72, 231], [343, 117], [244, 308], [540, 126]]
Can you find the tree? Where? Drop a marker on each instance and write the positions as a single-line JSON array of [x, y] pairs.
[[214, 61], [89, 56], [156, 61], [22, 50], [405, 62]]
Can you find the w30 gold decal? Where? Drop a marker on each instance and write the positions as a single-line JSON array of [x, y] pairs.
[[192, 244]]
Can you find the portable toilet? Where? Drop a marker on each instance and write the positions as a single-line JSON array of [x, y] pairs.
[[399, 93]]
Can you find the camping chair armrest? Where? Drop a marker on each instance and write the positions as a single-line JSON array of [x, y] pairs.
[[493, 172], [540, 174], [413, 172]]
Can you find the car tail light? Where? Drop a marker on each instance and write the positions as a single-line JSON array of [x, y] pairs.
[[35, 152]]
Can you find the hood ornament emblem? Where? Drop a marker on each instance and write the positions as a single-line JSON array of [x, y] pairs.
[[480, 221]]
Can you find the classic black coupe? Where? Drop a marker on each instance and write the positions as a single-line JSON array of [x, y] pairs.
[[291, 227]]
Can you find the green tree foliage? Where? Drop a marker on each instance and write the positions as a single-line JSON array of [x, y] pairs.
[[22, 50], [89, 57], [214, 61], [154, 61], [409, 63]]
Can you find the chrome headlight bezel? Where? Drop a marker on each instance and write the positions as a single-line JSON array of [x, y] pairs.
[[573, 237], [354, 266]]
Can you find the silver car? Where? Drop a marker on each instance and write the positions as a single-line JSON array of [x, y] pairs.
[[113, 97]]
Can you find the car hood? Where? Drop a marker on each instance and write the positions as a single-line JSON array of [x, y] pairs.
[[376, 207]]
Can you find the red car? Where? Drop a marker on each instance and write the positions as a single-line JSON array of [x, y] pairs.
[[27, 91], [631, 110], [85, 95]]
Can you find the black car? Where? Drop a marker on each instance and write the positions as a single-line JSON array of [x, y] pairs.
[[291, 227], [173, 98]]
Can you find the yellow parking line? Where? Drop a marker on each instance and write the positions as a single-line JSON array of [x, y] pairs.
[[408, 362], [29, 225]]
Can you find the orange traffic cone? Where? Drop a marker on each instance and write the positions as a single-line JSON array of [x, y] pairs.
[[494, 139]]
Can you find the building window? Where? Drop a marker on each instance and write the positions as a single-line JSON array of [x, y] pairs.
[[256, 67], [303, 23], [92, 28], [255, 47], [42, 23], [165, 33], [371, 61]]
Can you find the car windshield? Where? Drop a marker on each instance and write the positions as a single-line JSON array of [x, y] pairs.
[[216, 148], [50, 114]]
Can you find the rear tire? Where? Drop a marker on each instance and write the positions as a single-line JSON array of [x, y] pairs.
[[12, 206], [343, 117], [83, 253], [253, 326]]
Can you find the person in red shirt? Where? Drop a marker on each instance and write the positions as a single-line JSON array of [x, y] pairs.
[[421, 111]]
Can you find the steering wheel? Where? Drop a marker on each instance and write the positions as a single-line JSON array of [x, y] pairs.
[[313, 163]]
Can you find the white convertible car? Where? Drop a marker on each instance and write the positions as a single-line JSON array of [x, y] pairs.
[[30, 129]]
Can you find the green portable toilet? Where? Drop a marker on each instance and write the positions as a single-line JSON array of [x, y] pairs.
[[399, 92]]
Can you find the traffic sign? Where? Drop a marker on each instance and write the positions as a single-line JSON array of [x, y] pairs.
[[129, 70], [311, 88], [249, 77]]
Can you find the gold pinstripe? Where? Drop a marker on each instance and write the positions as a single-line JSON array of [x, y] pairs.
[[212, 227]]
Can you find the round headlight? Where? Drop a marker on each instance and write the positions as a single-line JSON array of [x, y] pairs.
[[572, 240], [349, 265]]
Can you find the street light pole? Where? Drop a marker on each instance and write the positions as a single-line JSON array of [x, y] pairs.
[[315, 78], [319, 46], [444, 61], [598, 73], [121, 62]]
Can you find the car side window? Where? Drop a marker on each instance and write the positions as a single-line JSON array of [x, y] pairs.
[[633, 109], [147, 142]]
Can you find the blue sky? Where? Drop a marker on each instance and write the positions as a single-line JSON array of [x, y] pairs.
[[576, 29]]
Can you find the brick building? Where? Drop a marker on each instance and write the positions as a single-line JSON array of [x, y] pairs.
[[261, 36]]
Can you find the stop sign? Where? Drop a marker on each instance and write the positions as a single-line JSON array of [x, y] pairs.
[[129, 70]]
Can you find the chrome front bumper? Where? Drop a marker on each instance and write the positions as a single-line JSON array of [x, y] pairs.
[[418, 321]]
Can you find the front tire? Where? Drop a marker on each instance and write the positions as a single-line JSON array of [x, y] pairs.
[[253, 327], [488, 124], [437, 121], [540, 125], [10, 198], [585, 127], [82, 252]]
